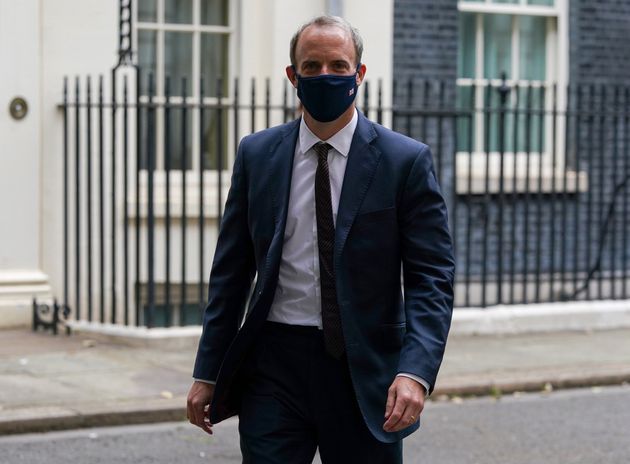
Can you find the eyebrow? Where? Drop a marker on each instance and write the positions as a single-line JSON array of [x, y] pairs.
[[318, 63], [309, 62]]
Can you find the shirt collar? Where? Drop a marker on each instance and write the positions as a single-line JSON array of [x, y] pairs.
[[341, 141]]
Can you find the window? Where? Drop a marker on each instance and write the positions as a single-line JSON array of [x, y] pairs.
[[525, 42], [515, 38], [185, 46]]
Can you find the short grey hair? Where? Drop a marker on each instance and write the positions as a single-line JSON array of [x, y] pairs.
[[329, 20]]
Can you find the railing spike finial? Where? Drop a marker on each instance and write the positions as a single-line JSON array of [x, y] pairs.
[[504, 89]]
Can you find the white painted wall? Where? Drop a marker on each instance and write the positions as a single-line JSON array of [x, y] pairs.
[[20, 143], [45, 40], [40, 41], [79, 37], [19, 140]]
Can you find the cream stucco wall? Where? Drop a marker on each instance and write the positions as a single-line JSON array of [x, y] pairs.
[[45, 40], [40, 40], [79, 38], [20, 171]]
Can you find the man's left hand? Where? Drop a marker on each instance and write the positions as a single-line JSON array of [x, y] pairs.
[[405, 401]]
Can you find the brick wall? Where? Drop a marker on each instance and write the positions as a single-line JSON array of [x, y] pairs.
[[544, 231], [425, 39], [599, 38], [425, 61]]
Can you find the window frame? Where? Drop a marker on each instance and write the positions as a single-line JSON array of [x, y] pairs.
[[196, 29], [556, 70], [211, 176]]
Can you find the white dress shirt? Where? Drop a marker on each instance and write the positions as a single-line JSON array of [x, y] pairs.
[[297, 300]]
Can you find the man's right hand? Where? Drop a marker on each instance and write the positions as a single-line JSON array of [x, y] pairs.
[[198, 405]]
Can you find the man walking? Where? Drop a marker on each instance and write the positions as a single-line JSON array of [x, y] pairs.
[[324, 211]]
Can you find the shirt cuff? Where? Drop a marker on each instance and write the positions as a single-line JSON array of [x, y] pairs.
[[211, 382], [420, 380]]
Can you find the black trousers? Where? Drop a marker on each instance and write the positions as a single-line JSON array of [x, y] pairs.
[[298, 398]]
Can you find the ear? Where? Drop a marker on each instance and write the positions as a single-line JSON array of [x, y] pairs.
[[291, 75], [361, 73]]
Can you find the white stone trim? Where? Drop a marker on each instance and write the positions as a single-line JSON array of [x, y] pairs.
[[497, 320], [548, 180], [546, 317], [170, 338], [17, 290]]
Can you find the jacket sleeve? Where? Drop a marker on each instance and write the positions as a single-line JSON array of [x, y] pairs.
[[428, 271], [231, 278]]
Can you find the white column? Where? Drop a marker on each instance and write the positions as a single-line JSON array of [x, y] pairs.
[[21, 278]]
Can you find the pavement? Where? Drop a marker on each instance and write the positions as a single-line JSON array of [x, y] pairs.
[[63, 382]]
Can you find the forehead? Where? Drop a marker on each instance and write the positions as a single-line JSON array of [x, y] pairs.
[[325, 40]]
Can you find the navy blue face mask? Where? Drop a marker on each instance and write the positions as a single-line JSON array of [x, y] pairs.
[[327, 96]]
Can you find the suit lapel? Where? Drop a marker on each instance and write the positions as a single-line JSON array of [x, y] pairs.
[[362, 161], [281, 170]]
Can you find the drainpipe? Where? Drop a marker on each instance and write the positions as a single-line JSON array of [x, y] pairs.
[[334, 7]]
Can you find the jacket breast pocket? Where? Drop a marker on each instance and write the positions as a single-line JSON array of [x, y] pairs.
[[381, 217]]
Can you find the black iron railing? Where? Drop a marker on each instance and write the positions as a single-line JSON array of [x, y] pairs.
[[536, 179]]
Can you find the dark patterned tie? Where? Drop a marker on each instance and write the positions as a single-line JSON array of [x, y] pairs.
[[331, 319]]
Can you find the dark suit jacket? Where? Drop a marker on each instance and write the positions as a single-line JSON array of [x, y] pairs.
[[391, 211]]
